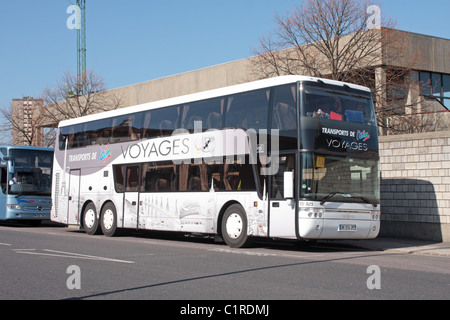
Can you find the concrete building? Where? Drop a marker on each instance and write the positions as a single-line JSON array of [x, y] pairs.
[[24, 130]]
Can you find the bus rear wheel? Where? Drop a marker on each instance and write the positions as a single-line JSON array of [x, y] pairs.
[[108, 220], [90, 220], [234, 227]]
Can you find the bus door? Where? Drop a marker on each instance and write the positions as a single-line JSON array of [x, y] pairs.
[[73, 210], [131, 196], [282, 204]]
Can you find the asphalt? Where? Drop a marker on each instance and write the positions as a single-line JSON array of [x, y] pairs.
[[385, 244], [407, 246]]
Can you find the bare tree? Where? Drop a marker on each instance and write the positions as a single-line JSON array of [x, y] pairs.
[[72, 97], [322, 38], [63, 101], [331, 39]]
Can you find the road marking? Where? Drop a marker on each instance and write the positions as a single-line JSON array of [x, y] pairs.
[[264, 254], [62, 254], [302, 256], [5, 244], [244, 252]]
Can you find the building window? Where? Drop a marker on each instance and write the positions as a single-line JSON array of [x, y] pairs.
[[446, 89], [436, 85]]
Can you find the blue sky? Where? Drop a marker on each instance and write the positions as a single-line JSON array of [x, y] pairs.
[[138, 40]]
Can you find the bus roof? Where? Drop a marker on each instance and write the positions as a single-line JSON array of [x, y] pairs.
[[255, 85], [10, 146]]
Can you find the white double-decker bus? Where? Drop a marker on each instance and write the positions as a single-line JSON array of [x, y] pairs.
[[289, 157]]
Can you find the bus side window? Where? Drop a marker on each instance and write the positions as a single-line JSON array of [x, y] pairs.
[[71, 137], [248, 110], [146, 130], [198, 177], [158, 177], [126, 128], [77, 138], [215, 177], [285, 116], [208, 112], [162, 122], [99, 132]]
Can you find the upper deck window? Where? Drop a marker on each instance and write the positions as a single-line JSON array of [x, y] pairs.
[[338, 107], [338, 119]]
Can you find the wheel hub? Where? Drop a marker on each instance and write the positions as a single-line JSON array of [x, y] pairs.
[[234, 226]]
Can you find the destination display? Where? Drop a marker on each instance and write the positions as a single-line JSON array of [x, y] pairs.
[[336, 136]]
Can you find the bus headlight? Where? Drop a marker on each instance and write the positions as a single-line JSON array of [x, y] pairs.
[[315, 213], [14, 206]]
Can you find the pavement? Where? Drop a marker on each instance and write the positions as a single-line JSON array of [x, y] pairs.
[[406, 246]]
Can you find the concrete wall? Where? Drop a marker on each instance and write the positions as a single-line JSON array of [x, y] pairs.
[[415, 188], [429, 53], [214, 77]]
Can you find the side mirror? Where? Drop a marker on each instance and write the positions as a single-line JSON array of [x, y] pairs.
[[288, 185]]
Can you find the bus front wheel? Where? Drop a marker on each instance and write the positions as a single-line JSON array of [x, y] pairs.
[[234, 227], [108, 220]]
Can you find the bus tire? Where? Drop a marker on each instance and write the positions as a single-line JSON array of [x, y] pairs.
[[108, 220], [90, 220], [234, 227]]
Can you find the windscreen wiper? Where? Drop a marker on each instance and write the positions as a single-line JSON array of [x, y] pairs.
[[367, 201], [332, 194], [24, 194], [329, 196]]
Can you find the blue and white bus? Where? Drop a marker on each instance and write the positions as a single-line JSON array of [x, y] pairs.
[[26, 183], [290, 157]]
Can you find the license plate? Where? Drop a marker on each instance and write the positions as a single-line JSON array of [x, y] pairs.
[[347, 227]]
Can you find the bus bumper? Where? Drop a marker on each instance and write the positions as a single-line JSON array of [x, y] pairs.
[[15, 214], [337, 224]]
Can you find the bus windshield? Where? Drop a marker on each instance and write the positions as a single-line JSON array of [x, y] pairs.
[[340, 140], [32, 172], [341, 179]]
